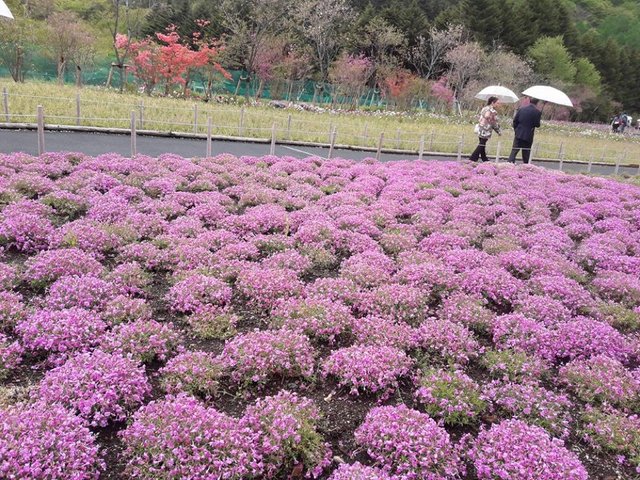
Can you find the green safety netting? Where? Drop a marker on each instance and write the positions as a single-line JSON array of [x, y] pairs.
[[39, 68]]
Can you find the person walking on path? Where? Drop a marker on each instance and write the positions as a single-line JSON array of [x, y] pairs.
[[487, 123], [525, 122]]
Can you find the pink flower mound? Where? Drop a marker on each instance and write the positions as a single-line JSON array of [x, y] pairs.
[[618, 287], [584, 338], [542, 309], [8, 276], [408, 444], [368, 269], [196, 373], [383, 332], [130, 278], [123, 309], [178, 437], [43, 442], [566, 290], [519, 333], [451, 341], [88, 236], [533, 403], [400, 302], [264, 286], [493, 283], [372, 368], [88, 292], [287, 427], [144, 340], [198, 292], [357, 471], [450, 395], [256, 356], [468, 310], [61, 331], [531, 454], [601, 379], [25, 232], [46, 267], [12, 310], [100, 387], [10, 356], [315, 317]]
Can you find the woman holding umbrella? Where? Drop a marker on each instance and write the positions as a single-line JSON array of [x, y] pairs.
[[487, 123]]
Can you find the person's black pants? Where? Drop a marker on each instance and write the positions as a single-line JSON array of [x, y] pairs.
[[480, 151], [519, 144]]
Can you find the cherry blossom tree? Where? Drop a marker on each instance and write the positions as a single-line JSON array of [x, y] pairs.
[[350, 74]]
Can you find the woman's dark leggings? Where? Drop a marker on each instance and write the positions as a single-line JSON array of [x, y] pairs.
[[480, 150]]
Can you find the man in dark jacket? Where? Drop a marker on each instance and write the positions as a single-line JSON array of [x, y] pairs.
[[527, 119]]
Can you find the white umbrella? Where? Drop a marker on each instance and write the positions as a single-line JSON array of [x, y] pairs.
[[4, 10], [548, 94], [503, 93]]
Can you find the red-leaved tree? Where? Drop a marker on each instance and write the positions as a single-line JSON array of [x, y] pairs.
[[170, 62]]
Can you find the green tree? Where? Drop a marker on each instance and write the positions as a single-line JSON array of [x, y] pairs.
[[552, 60], [487, 19], [587, 75]]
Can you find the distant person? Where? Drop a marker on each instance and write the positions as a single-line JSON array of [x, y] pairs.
[[615, 124], [487, 123], [525, 122], [624, 121]]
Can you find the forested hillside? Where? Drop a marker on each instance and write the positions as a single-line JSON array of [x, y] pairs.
[[404, 49]]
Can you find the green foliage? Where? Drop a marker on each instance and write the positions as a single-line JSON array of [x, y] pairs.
[[587, 75], [552, 59]]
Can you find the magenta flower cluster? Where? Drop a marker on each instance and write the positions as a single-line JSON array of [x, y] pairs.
[[100, 387], [408, 444], [257, 356], [40, 442], [367, 368], [514, 450]]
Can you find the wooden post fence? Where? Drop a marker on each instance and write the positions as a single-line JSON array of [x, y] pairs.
[[195, 118], [241, 124], [5, 103], [498, 151], [40, 115], [77, 109], [459, 155], [289, 127], [380, 142], [561, 155], [421, 148], [134, 143], [272, 150], [332, 144], [209, 135], [141, 114]]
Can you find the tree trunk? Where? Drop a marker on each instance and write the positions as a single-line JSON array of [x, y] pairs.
[[16, 71], [78, 76], [259, 90], [123, 77], [186, 84], [110, 76], [209, 85], [62, 64]]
